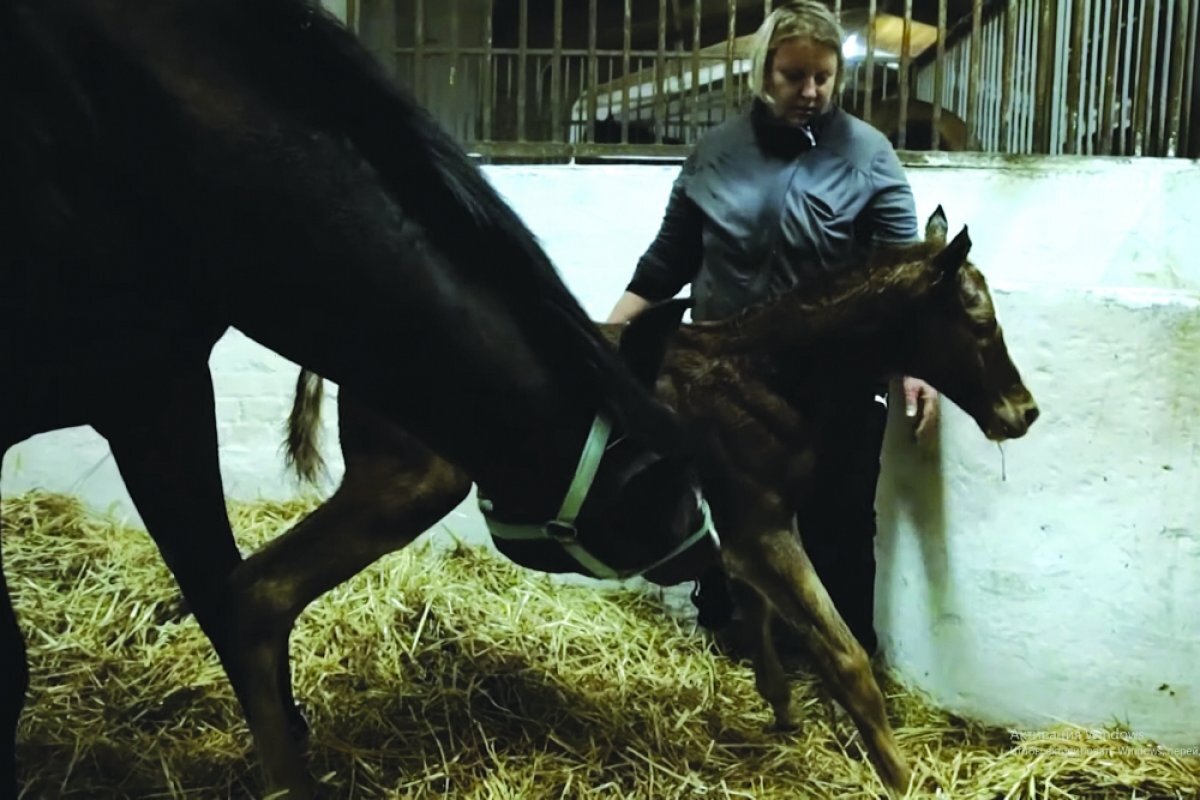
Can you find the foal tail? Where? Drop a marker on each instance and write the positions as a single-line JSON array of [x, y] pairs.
[[301, 452]]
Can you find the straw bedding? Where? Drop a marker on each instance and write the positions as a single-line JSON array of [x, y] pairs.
[[447, 672]]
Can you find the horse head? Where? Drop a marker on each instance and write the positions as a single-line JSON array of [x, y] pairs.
[[630, 509], [954, 341]]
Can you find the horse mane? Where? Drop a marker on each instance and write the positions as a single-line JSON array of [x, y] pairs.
[[855, 298], [438, 185], [301, 58]]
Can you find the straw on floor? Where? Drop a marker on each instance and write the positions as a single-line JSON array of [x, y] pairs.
[[448, 672]]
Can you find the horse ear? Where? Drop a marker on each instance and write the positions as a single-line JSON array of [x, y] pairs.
[[644, 340], [954, 254], [936, 226]]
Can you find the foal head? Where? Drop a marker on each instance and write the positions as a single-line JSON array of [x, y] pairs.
[[951, 338]]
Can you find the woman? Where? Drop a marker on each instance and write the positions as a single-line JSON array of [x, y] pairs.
[[794, 191]]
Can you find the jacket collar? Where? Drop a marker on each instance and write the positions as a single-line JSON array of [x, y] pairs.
[[780, 138]]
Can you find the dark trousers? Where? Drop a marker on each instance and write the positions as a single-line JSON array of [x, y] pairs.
[[836, 520]]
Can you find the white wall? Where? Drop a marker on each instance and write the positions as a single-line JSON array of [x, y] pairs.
[[336, 7], [1059, 579]]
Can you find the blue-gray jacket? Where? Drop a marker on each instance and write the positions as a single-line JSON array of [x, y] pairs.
[[759, 208]]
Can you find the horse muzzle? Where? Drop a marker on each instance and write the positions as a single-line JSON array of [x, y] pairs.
[[1012, 420]]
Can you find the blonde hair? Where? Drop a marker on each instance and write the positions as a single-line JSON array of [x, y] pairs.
[[807, 19]]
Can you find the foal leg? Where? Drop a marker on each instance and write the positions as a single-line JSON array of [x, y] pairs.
[[393, 490], [769, 677], [775, 563], [166, 449]]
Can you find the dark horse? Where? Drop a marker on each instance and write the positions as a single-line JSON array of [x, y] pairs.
[[175, 168], [744, 389]]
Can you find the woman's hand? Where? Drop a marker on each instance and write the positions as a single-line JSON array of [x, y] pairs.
[[920, 405]]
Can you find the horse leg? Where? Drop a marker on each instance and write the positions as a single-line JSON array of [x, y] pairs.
[[166, 449], [15, 667], [774, 562], [393, 490]]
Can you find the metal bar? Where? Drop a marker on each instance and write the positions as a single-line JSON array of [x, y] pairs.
[[454, 54], [1008, 79], [572, 150], [1095, 98], [627, 40], [938, 78], [973, 73], [1128, 77], [730, 36], [1031, 49], [1073, 76], [989, 76], [1177, 81], [1161, 51], [1109, 95], [694, 110], [837, 10], [522, 66], [1163, 89], [869, 89], [487, 89], [1152, 74], [677, 45], [352, 16], [1191, 111], [1141, 104], [419, 50], [608, 109], [544, 52], [572, 122], [556, 86], [593, 70], [660, 76], [538, 105], [1045, 70], [905, 64], [1020, 71]]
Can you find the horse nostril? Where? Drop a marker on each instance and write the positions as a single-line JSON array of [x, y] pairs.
[[1031, 414]]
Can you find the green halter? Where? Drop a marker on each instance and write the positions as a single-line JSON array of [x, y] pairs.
[[562, 529]]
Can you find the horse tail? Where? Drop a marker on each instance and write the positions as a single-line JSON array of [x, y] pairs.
[[301, 450]]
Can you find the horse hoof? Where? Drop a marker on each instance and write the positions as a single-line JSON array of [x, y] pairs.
[[298, 724], [172, 611], [782, 726]]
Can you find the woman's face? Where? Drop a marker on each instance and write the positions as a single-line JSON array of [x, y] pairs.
[[801, 79]]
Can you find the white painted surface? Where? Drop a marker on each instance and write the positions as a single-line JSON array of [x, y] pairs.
[[1058, 582], [336, 7]]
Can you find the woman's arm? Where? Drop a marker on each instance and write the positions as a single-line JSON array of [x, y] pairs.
[[892, 216], [671, 261], [628, 306]]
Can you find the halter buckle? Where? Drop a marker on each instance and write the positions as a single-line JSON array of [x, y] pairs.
[[562, 532]]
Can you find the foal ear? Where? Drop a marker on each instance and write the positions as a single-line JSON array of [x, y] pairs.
[[954, 254], [936, 226], [644, 340]]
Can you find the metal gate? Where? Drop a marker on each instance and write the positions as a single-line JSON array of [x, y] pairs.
[[562, 79]]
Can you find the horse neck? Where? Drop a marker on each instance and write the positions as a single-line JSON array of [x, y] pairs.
[[858, 306]]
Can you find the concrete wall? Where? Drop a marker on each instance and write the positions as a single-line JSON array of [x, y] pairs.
[[1058, 579]]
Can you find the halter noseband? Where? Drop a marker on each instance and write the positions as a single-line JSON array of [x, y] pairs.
[[561, 529]]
